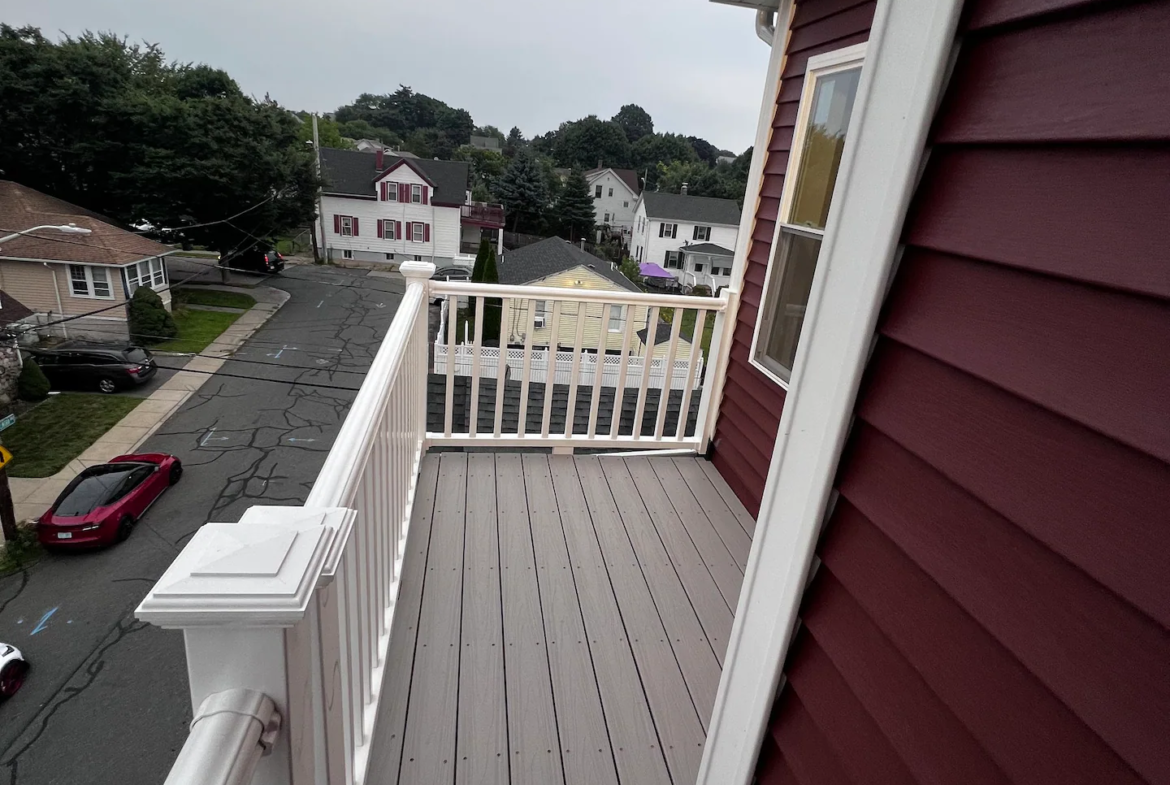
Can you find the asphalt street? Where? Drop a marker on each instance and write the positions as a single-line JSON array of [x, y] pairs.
[[106, 701]]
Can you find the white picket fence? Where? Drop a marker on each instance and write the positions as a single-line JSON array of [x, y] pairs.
[[489, 363]]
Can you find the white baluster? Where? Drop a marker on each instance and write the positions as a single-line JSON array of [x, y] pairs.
[[668, 372], [693, 366]]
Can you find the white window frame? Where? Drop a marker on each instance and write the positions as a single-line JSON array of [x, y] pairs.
[[389, 232], [817, 67], [90, 290], [391, 191], [346, 225], [606, 219], [154, 277], [667, 234], [702, 233], [611, 192], [617, 318], [417, 232], [597, 192], [415, 193], [673, 260], [347, 254], [539, 313], [912, 44]]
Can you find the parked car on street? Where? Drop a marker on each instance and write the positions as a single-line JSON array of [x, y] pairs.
[[13, 668], [108, 368], [104, 503], [261, 258]]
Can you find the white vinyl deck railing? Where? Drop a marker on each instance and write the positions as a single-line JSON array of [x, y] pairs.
[[287, 614], [566, 314]]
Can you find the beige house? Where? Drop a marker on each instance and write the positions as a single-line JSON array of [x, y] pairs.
[[556, 263], [75, 285]]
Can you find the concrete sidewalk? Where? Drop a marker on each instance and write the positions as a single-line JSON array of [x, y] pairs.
[[33, 496]]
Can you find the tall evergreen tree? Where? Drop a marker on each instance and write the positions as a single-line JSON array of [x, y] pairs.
[[492, 306], [523, 192], [477, 271], [573, 209]]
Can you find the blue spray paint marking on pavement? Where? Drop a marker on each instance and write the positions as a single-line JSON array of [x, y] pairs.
[[43, 622]]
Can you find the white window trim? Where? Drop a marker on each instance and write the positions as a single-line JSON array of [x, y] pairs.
[[539, 314], [817, 67], [415, 190], [391, 191], [155, 268], [90, 292], [346, 253], [388, 225], [346, 231], [617, 313], [911, 45], [417, 232]]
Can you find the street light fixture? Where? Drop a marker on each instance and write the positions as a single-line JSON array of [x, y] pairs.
[[62, 228]]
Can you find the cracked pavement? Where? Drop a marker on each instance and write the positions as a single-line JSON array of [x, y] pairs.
[[106, 700]]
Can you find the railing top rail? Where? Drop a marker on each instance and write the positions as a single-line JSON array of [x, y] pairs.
[[339, 475], [468, 289]]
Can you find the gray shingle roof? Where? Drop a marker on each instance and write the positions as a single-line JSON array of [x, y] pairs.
[[627, 176], [692, 209], [352, 173], [486, 413], [708, 248], [550, 256], [661, 335]]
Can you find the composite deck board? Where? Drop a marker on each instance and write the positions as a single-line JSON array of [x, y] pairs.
[[386, 749], [608, 626], [674, 714], [638, 753], [725, 521], [717, 555], [428, 753], [746, 521], [482, 734], [713, 610], [692, 649], [532, 724], [586, 752]]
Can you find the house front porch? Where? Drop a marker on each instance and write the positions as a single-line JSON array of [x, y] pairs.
[[560, 619]]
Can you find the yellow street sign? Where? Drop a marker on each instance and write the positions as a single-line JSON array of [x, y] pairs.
[[5, 456]]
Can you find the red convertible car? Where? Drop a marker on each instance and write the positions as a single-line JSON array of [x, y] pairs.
[[102, 504]]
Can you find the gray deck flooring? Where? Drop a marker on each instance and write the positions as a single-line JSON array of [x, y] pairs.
[[561, 620]]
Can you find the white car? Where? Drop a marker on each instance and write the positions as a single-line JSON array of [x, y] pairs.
[[13, 669]]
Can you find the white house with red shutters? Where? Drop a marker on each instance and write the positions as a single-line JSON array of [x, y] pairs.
[[377, 207]]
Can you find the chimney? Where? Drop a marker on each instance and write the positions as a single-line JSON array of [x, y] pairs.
[[684, 189], [378, 160], [598, 163]]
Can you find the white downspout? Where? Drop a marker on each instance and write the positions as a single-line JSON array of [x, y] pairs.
[[766, 25], [57, 291]]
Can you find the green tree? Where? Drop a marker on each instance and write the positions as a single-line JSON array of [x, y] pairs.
[[118, 129], [573, 209], [514, 142], [31, 385], [524, 194], [477, 272], [492, 306], [707, 152], [631, 270], [328, 132], [426, 125], [655, 149], [634, 121], [487, 166], [150, 322], [586, 142], [360, 129]]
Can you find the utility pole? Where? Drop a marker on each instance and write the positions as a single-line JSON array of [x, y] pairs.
[[319, 253]]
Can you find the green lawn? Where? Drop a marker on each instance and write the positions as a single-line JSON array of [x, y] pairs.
[[688, 327], [197, 329], [54, 433], [181, 297]]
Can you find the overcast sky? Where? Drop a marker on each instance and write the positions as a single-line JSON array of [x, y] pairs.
[[695, 66]]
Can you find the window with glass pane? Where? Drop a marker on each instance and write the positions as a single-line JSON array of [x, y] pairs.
[[616, 318], [78, 281], [825, 112], [158, 271], [101, 282]]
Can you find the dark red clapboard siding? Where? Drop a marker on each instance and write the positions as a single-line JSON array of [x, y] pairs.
[[817, 26], [804, 747], [1038, 338], [1064, 81], [933, 744], [1094, 652], [1096, 503], [1040, 739], [861, 747], [772, 769], [1094, 214], [985, 13]]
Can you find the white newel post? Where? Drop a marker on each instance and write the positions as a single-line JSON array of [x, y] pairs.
[[244, 596]]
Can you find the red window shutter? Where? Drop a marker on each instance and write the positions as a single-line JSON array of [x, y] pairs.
[[355, 226], [379, 223], [661, 230], [398, 229], [383, 191], [337, 224], [426, 197], [673, 230], [426, 227], [402, 192]]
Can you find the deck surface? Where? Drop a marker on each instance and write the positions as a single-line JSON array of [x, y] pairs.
[[561, 620]]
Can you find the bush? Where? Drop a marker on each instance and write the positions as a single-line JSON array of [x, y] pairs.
[[150, 322], [702, 290], [32, 384]]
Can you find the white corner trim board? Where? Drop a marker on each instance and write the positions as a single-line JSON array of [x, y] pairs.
[[909, 52]]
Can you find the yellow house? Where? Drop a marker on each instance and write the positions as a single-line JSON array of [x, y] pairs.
[[556, 263]]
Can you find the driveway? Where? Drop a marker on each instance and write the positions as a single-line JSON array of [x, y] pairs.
[[107, 700]]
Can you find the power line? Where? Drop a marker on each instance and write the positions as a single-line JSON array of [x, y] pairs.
[[209, 223], [262, 379]]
